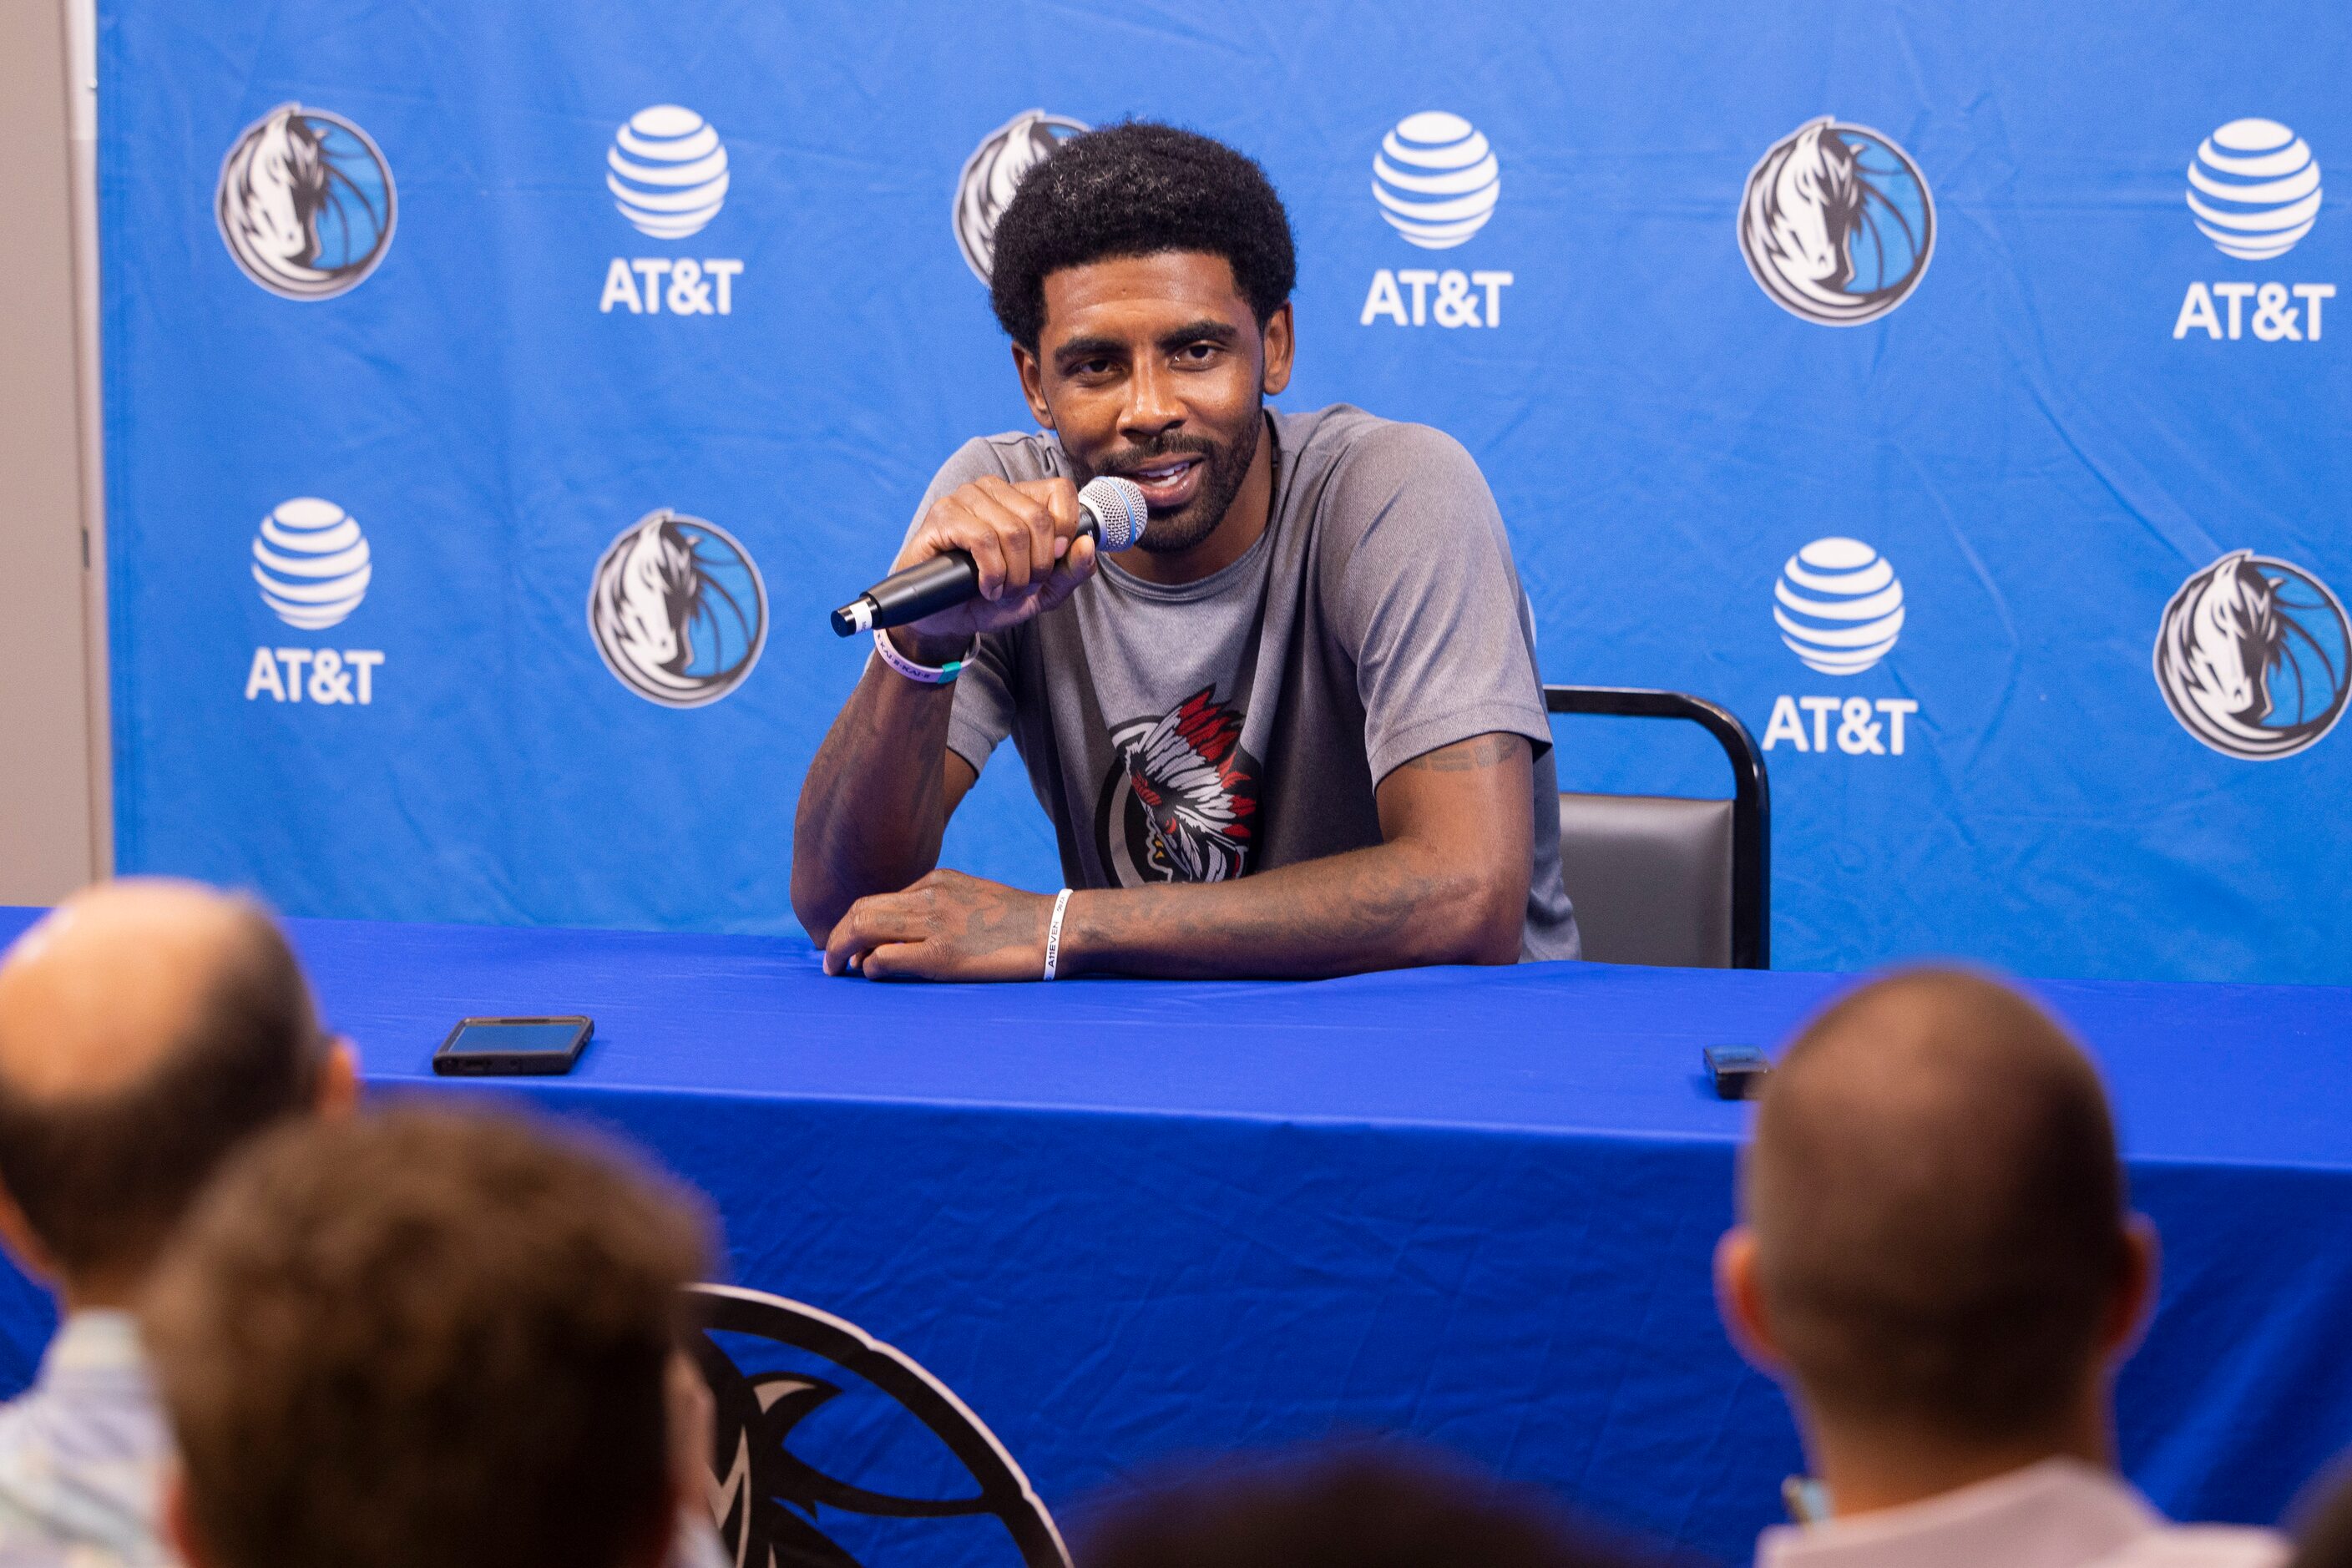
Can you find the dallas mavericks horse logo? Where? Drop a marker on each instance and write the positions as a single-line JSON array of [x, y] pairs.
[[1837, 225], [994, 173], [898, 1468], [2252, 656], [305, 202], [677, 610]]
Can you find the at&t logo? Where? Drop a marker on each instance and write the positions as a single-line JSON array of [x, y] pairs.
[[667, 170], [2252, 656], [1837, 225], [312, 565], [1839, 608], [305, 202], [1436, 180], [677, 610], [2254, 187], [2253, 191], [994, 173]]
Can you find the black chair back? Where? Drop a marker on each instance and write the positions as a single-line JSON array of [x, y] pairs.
[[1662, 879]]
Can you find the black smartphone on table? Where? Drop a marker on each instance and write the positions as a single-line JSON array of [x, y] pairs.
[[512, 1047], [1738, 1071]]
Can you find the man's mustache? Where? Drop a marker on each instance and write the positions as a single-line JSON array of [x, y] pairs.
[[1167, 447]]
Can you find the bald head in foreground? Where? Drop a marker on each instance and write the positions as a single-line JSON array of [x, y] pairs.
[[148, 1030], [1936, 1261], [147, 1027]]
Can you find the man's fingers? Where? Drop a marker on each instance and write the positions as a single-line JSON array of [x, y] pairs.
[[1059, 497], [1015, 536], [843, 945], [957, 529], [895, 960], [1074, 568], [1035, 517], [872, 920]]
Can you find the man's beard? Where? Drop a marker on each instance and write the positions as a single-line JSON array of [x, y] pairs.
[[1227, 466]]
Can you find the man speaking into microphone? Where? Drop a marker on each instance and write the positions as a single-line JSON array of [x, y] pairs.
[[1296, 731]]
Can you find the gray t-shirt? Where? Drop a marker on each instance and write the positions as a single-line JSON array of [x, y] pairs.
[[1241, 722]]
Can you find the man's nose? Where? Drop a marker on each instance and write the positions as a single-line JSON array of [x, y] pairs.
[[1152, 408]]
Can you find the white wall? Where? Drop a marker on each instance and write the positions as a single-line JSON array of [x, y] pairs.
[[55, 810]]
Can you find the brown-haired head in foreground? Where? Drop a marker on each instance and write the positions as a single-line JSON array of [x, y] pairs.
[[1350, 1507], [2325, 1539], [1938, 1211], [424, 1340], [147, 1027]]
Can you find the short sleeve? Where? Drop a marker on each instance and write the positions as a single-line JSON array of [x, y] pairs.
[[1419, 582], [983, 713]]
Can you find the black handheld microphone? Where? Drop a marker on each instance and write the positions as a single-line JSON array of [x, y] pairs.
[[1111, 512]]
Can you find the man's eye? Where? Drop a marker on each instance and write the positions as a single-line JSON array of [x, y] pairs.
[[1197, 353]]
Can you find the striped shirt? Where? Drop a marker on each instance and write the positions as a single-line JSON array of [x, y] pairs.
[[83, 1453]]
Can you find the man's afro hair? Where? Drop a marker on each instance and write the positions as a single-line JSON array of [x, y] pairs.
[[1138, 189]]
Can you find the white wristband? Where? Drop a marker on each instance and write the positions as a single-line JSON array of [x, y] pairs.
[[1053, 933], [909, 667]]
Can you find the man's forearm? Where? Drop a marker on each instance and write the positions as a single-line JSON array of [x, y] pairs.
[[1386, 907], [873, 806], [1448, 885]]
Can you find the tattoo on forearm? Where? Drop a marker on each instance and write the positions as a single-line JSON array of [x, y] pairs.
[[1004, 919], [870, 812], [1342, 914]]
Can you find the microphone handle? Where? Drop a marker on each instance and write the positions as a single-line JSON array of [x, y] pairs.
[[926, 588]]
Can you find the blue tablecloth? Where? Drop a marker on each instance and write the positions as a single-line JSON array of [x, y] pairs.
[[1126, 1220]]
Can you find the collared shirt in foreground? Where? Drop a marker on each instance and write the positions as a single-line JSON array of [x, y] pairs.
[[2060, 1513], [82, 1452]]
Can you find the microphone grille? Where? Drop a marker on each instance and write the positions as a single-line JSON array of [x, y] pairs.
[[1119, 510]]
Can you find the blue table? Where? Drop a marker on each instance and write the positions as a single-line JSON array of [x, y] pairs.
[[1123, 1220]]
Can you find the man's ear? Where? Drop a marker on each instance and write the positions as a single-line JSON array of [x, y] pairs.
[[179, 1520], [338, 1081], [2135, 1298], [1281, 341], [1739, 1302], [16, 1234], [1032, 384]]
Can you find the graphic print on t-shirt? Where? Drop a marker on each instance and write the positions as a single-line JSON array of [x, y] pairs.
[[1177, 800]]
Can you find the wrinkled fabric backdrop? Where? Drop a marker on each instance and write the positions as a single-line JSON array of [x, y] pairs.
[[2050, 433]]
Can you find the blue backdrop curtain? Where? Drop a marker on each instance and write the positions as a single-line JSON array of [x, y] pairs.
[[425, 322]]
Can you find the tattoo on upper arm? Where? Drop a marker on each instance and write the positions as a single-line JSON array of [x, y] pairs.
[[1468, 756]]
